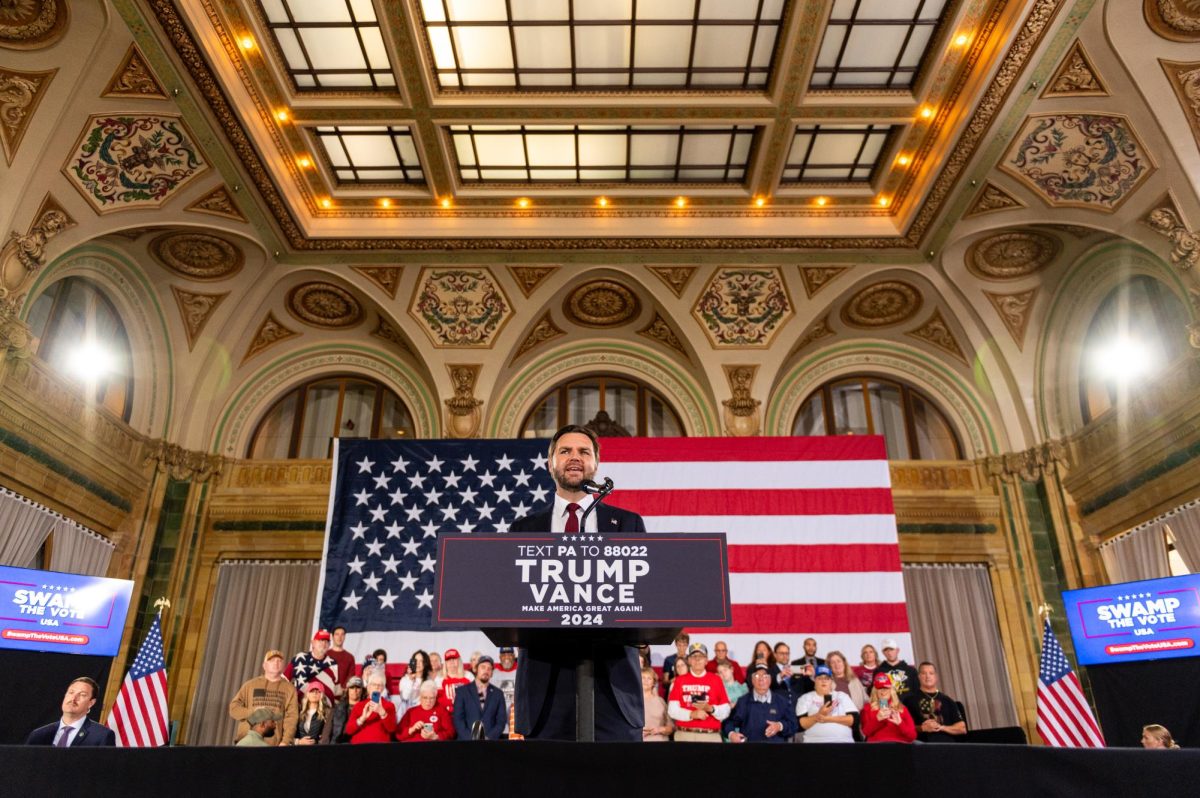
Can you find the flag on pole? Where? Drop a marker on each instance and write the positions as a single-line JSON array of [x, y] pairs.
[[811, 529], [139, 713], [1064, 719]]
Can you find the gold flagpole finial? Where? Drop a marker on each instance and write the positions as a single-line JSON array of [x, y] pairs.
[[1044, 611], [163, 603]]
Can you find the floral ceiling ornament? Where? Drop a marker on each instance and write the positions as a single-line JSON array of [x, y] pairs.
[[133, 161], [601, 303], [198, 256], [1178, 20], [1184, 78], [882, 305], [674, 277], [386, 332], [324, 305], [528, 278], [1076, 76], [543, 331], [936, 332], [1012, 255], [218, 202], [20, 94], [134, 78], [195, 309], [31, 24], [817, 330], [1079, 160], [817, 277], [386, 277], [1165, 220], [459, 307], [743, 306], [993, 198], [1014, 311], [269, 333], [659, 329]]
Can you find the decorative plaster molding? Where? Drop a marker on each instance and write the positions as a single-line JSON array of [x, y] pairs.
[[20, 95], [543, 331], [218, 202], [183, 464], [817, 277], [1014, 311], [659, 329], [528, 278], [386, 277], [269, 333], [195, 309], [1076, 76], [134, 78], [991, 199]]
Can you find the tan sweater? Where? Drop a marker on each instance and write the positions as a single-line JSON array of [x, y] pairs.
[[279, 696]]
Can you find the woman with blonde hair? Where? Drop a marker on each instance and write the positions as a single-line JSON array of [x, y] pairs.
[[657, 727], [844, 679], [865, 669], [316, 723], [1153, 736], [884, 718]]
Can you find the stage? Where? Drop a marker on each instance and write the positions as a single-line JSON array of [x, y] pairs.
[[580, 769]]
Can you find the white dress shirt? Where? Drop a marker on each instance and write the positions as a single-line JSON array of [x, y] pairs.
[[559, 515], [70, 730]]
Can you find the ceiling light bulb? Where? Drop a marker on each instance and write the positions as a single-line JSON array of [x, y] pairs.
[[821, 201], [281, 115], [385, 202], [680, 202], [902, 160], [327, 203], [523, 202], [247, 43], [883, 202], [445, 202], [926, 112], [962, 39], [602, 202], [303, 163], [760, 201]]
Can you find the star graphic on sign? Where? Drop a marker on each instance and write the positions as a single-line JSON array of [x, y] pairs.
[[431, 530], [485, 511], [502, 526], [381, 482], [361, 497], [375, 549], [356, 565], [416, 481], [539, 462], [427, 563], [389, 565], [372, 582], [412, 547], [521, 510], [470, 463], [388, 600], [358, 529], [466, 527], [351, 600], [468, 496], [452, 480], [399, 464], [504, 463], [522, 478], [432, 496], [425, 599], [414, 513], [378, 513], [393, 530], [397, 496], [449, 513], [364, 466], [486, 479], [539, 494], [435, 464], [503, 495], [408, 582]]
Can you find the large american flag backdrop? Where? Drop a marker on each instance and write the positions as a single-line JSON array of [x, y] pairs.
[[812, 538]]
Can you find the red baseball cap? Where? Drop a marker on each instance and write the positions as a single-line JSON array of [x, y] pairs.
[[452, 653], [321, 634], [883, 680]]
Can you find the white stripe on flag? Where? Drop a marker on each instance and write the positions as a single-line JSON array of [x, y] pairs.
[[749, 530], [818, 588], [758, 475]]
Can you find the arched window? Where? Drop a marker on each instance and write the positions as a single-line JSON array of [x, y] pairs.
[[611, 405], [1138, 330], [304, 422], [77, 331], [912, 425]]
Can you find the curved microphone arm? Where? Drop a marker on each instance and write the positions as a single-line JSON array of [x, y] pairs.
[[600, 491]]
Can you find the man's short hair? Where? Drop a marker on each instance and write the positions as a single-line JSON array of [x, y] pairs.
[[930, 664], [567, 430], [379, 652], [335, 629], [781, 643], [683, 637], [90, 682]]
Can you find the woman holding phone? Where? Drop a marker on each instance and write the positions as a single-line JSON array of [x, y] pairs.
[[373, 719], [428, 721], [884, 718]]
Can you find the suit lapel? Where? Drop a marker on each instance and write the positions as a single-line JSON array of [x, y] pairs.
[[79, 735], [606, 520]]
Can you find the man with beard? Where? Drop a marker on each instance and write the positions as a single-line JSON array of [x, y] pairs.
[[546, 679], [480, 703], [271, 691]]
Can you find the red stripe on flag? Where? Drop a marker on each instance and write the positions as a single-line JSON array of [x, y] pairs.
[[858, 558], [832, 501], [814, 619], [678, 450]]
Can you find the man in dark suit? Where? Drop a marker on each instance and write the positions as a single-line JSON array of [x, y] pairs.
[[482, 703], [75, 728], [545, 701]]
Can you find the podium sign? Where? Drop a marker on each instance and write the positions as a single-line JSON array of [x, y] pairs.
[[550, 581]]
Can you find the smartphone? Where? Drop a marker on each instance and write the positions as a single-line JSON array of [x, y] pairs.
[[375, 696], [700, 698], [427, 727], [828, 700]]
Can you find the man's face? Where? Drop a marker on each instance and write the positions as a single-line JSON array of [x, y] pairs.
[[721, 651], [319, 648], [783, 654], [483, 672], [507, 660], [574, 461], [810, 647], [697, 661], [891, 654], [273, 667], [928, 677], [681, 644], [725, 672], [823, 685], [761, 681], [435, 662], [339, 637], [268, 729], [79, 699]]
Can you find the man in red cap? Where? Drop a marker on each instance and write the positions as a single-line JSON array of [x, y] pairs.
[[315, 665], [454, 677]]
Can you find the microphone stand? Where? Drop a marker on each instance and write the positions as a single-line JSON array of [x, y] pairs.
[[599, 491], [585, 666]]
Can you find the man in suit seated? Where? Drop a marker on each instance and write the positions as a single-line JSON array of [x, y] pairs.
[[482, 703], [76, 728], [546, 679]]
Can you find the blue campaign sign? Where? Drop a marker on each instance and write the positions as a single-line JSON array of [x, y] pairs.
[[1154, 619], [62, 613]]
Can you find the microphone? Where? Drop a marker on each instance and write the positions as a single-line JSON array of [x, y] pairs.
[[600, 491]]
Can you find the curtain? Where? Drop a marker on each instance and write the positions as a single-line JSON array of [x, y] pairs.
[[77, 550], [953, 619], [26, 525], [1185, 526], [257, 606], [1141, 554]]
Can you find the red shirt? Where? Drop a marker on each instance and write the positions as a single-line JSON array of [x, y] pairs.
[[686, 686], [373, 729], [449, 686], [739, 675], [443, 726], [884, 731], [345, 663]]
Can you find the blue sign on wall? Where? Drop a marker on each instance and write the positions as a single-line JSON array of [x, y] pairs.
[[62, 613], [1154, 619]]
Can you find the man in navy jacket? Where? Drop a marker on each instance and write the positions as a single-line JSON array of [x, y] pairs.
[[75, 729], [762, 715], [469, 708]]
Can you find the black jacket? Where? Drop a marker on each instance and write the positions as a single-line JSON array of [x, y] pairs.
[[90, 733]]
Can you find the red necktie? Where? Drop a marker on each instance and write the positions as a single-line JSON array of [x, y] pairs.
[[572, 519]]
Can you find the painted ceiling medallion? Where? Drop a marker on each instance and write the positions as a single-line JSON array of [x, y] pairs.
[[31, 24], [324, 305], [993, 198], [1185, 80], [217, 202], [1178, 20], [386, 277], [134, 78], [1012, 255], [675, 277], [133, 161], [459, 307], [1076, 76], [1079, 160], [195, 309], [743, 307], [882, 305], [530, 277], [817, 277], [660, 330], [197, 255], [936, 332], [20, 94], [1014, 311], [269, 333], [601, 303], [543, 331]]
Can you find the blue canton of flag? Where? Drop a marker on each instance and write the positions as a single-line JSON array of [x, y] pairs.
[[389, 501]]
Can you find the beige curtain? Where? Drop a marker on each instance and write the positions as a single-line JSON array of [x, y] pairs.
[[25, 525], [77, 550], [1141, 554], [1185, 526], [952, 615], [258, 606]]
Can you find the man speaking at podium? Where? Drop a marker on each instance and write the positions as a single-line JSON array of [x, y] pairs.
[[545, 708]]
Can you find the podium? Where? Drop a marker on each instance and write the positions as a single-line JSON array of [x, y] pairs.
[[581, 593]]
